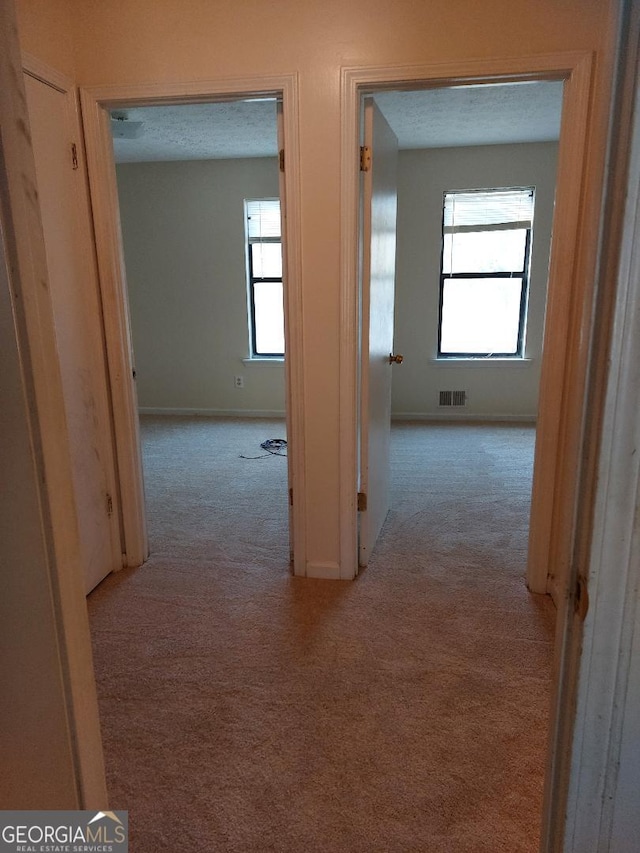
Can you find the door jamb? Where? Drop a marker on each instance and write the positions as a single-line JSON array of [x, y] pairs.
[[96, 102]]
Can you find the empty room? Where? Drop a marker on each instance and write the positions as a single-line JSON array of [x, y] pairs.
[[200, 216]]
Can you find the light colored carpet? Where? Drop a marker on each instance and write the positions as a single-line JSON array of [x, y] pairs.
[[246, 710]]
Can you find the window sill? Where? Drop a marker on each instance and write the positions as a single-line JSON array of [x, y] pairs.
[[273, 362], [482, 362]]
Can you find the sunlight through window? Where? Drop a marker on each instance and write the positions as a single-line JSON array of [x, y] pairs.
[[486, 248], [264, 275]]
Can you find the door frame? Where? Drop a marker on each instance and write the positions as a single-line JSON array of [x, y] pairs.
[[563, 353], [96, 102], [45, 74]]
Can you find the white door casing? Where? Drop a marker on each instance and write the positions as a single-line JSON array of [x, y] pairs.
[[96, 104], [379, 208], [558, 421], [62, 191]]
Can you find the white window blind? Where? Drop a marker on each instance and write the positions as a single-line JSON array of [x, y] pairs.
[[488, 210], [263, 220]]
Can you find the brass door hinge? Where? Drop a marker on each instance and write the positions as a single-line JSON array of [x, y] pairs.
[[290, 497], [365, 158], [362, 502], [281, 159], [74, 155]]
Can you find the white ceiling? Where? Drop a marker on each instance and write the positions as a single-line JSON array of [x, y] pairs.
[[474, 115], [431, 118]]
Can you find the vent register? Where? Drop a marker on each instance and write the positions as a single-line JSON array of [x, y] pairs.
[[452, 398]]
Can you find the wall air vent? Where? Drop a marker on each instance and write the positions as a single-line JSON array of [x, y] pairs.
[[453, 398]]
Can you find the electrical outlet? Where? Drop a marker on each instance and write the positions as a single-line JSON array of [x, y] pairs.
[[238, 381]]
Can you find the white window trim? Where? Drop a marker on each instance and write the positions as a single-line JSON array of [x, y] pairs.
[[274, 360], [481, 361]]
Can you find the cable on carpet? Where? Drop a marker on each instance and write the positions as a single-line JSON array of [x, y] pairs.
[[273, 446]]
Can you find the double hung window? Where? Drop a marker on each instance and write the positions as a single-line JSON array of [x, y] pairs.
[[264, 275], [484, 274]]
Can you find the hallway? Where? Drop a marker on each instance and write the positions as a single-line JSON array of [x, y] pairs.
[[247, 710]]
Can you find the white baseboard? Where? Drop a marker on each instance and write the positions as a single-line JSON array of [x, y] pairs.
[[214, 413], [328, 571], [462, 416], [396, 416]]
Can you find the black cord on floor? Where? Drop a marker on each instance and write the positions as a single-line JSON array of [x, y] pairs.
[[273, 446]]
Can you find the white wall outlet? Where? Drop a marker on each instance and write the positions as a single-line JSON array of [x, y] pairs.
[[238, 381]]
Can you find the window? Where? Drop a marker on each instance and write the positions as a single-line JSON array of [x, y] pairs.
[[264, 274], [484, 275]]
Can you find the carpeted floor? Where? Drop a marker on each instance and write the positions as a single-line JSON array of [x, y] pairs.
[[246, 710]]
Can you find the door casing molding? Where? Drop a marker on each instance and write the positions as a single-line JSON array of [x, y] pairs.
[[96, 102], [560, 349]]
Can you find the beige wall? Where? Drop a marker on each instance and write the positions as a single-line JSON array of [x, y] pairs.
[[46, 31], [183, 231], [134, 41], [423, 177]]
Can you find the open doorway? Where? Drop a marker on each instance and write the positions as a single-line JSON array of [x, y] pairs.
[[558, 423], [198, 190], [473, 170], [239, 102]]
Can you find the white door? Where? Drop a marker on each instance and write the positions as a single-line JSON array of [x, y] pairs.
[[76, 309], [379, 199]]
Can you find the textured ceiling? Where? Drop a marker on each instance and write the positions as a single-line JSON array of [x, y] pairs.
[[432, 118], [474, 115], [201, 132]]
